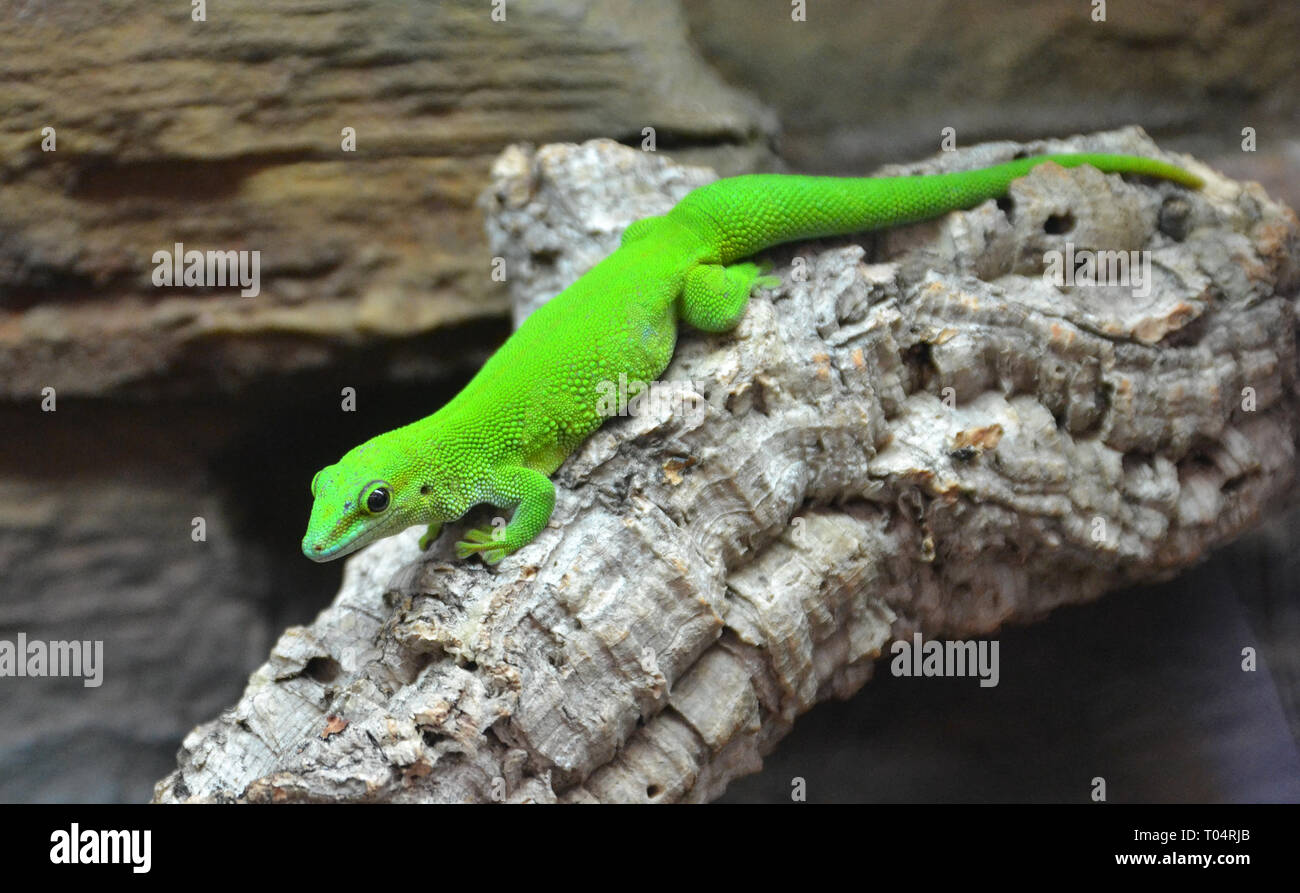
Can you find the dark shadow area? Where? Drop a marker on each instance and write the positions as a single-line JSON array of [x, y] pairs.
[[289, 430], [1143, 688]]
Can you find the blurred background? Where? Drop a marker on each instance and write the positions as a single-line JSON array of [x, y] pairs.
[[175, 404]]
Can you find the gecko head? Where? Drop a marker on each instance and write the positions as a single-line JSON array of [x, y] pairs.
[[363, 497]]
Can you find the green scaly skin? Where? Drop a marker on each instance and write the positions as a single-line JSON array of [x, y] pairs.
[[536, 399]]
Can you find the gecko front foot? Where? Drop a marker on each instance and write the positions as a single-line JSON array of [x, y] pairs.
[[488, 542], [430, 535]]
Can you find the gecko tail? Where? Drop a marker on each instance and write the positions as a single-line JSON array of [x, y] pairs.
[[743, 215]]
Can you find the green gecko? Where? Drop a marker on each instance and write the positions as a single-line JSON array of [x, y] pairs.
[[536, 399]]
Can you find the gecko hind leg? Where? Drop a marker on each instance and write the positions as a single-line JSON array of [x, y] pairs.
[[715, 296]]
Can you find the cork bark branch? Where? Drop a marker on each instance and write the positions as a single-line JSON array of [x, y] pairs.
[[915, 432]]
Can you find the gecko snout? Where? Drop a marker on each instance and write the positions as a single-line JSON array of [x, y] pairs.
[[314, 551]]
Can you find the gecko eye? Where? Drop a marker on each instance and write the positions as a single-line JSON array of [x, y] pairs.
[[314, 481], [377, 500]]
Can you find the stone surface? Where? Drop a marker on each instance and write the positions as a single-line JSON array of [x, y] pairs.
[[861, 84], [227, 135]]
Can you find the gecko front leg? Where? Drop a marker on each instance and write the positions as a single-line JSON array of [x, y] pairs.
[[531, 494]]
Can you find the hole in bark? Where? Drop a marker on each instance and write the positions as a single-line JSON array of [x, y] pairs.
[[1007, 205], [421, 661], [1175, 219], [1059, 416], [1232, 484], [1132, 462], [920, 359], [323, 669], [1058, 224], [652, 790], [760, 398]]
